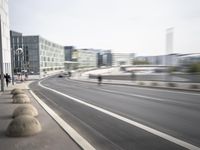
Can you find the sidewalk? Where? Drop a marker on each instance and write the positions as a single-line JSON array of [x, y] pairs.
[[52, 137]]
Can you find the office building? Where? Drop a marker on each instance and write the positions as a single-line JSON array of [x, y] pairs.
[[122, 59], [43, 56], [86, 58], [16, 41], [167, 60], [38, 56], [5, 38], [104, 58], [70, 62]]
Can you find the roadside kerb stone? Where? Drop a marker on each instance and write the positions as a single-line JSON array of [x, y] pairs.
[[27, 109], [23, 125]]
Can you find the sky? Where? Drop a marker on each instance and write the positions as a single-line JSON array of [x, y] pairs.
[[127, 26]]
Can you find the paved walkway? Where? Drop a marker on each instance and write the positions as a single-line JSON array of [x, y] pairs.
[[52, 137]]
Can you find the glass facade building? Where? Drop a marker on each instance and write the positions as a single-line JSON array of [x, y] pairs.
[[16, 40], [42, 56]]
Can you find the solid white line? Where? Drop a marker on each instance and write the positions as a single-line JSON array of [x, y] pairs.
[[146, 128], [67, 128]]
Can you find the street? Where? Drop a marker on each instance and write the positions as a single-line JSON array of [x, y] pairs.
[[173, 113]]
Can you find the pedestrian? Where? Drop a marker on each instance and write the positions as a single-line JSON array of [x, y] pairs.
[[26, 76], [69, 74], [133, 76], [7, 77], [99, 79]]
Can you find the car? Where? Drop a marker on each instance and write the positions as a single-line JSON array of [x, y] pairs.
[[60, 76]]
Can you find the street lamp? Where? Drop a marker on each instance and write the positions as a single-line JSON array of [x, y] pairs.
[[19, 53]]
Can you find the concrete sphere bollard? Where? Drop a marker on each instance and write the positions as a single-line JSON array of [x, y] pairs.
[[171, 84], [21, 98], [23, 125], [17, 91], [12, 91], [25, 110], [194, 86], [141, 83], [154, 84], [20, 92]]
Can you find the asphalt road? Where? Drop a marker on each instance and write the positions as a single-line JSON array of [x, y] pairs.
[[174, 113]]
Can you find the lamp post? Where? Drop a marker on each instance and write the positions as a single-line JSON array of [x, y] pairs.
[[19, 53]]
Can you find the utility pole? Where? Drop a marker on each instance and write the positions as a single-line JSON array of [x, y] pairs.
[[1, 59]]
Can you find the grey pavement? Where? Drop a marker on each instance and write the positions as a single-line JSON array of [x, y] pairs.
[[52, 137]]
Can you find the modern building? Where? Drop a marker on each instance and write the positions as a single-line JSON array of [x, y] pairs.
[[85, 57], [43, 56], [167, 60], [122, 59], [5, 53], [104, 58], [38, 56], [70, 62], [188, 59], [5, 38], [16, 41]]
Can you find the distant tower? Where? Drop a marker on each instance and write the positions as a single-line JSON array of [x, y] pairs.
[[169, 45], [169, 40]]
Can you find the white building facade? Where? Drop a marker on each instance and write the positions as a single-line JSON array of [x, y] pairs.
[[86, 58], [122, 59], [168, 60], [5, 37]]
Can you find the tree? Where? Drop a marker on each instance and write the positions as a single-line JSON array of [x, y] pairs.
[[194, 68]]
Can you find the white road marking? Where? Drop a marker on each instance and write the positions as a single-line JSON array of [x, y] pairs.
[[136, 124], [66, 127]]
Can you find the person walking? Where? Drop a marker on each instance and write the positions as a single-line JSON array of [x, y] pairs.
[[7, 77], [99, 79]]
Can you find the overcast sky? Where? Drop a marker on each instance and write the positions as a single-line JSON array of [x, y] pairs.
[[137, 26]]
